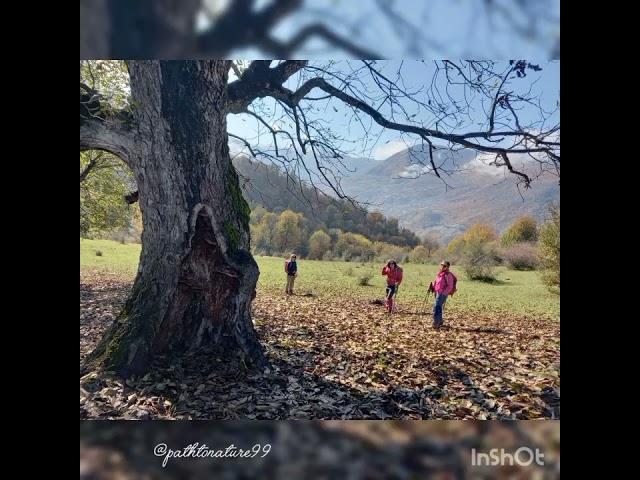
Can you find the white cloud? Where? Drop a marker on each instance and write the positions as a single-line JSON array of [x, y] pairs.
[[414, 171], [384, 151], [481, 164], [520, 161]]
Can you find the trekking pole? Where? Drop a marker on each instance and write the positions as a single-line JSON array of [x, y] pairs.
[[424, 303], [426, 297], [395, 301]]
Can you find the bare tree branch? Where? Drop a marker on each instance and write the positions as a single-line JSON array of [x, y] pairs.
[[247, 144], [93, 162], [286, 49], [240, 26], [104, 130], [235, 69], [481, 78], [107, 136], [258, 80]]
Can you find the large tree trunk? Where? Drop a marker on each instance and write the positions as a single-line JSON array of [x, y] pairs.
[[196, 277]]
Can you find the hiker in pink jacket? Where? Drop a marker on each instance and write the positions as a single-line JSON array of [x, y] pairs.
[[393, 272], [444, 285]]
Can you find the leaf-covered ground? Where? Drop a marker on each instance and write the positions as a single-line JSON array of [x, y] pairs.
[[337, 358]]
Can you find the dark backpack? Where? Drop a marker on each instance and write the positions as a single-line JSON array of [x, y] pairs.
[[455, 284], [289, 267]]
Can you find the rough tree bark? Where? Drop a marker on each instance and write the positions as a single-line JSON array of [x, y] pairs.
[[196, 276]]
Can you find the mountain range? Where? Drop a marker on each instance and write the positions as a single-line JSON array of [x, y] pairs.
[[469, 190]]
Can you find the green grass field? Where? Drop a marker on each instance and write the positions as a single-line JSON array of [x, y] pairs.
[[515, 294], [116, 257], [497, 357]]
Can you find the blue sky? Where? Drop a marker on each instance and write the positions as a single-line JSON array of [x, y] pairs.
[[383, 143]]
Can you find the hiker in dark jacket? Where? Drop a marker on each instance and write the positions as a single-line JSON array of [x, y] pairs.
[[291, 269]]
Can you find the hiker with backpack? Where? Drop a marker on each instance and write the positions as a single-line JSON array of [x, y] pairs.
[[393, 272], [444, 285], [291, 269]]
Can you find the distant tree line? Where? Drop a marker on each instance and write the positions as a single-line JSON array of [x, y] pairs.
[[269, 187], [525, 245]]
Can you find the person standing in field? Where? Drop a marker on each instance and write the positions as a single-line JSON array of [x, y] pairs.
[[394, 278], [444, 285], [291, 269]]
